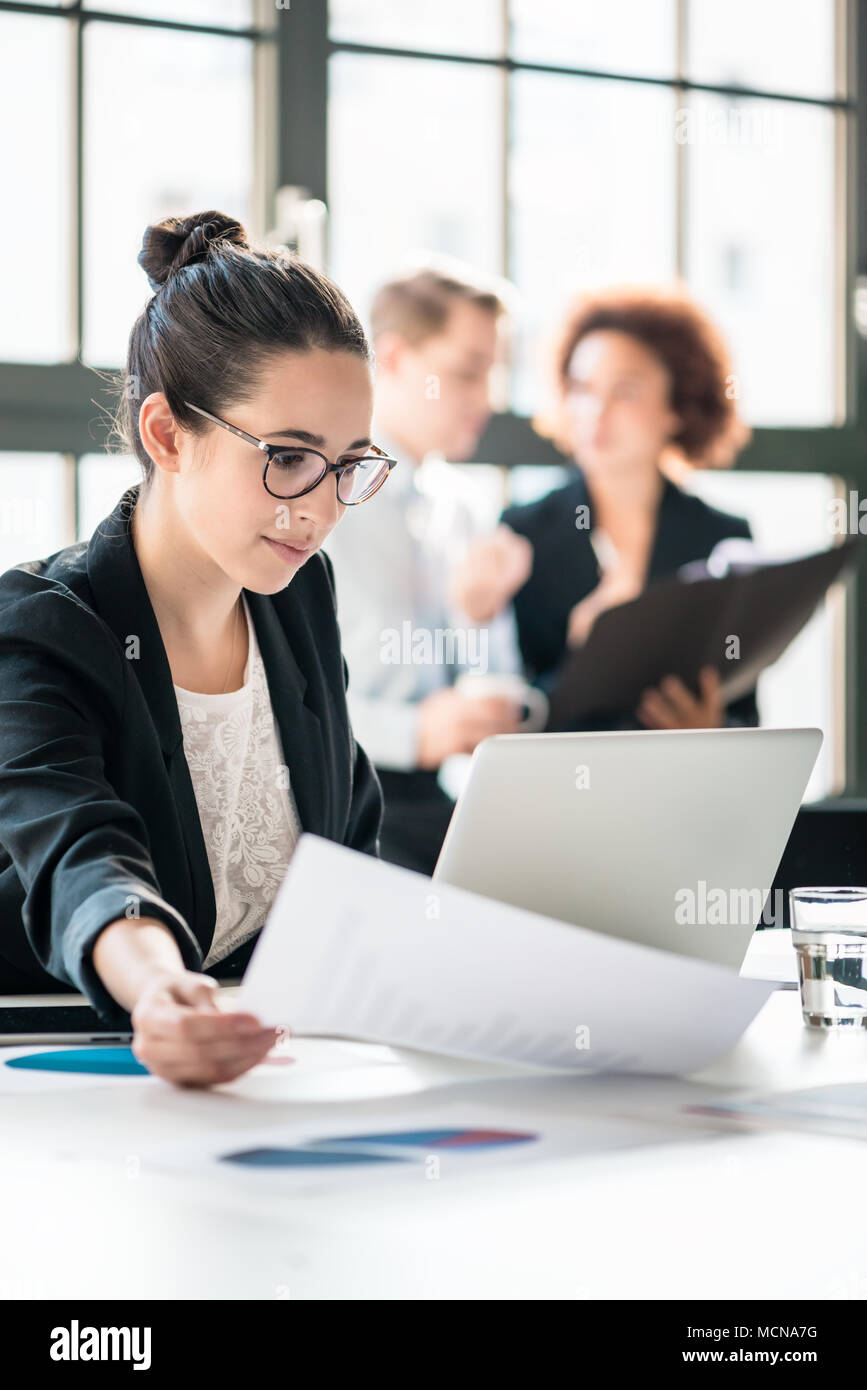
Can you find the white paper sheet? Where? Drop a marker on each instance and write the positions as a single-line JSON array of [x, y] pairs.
[[377, 1129], [837, 1109], [356, 947]]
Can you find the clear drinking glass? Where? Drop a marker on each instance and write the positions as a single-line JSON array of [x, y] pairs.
[[829, 934]]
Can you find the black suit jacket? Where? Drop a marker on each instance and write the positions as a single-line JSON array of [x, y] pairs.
[[98, 816], [565, 570]]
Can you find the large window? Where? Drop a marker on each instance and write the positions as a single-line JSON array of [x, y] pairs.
[[562, 143], [113, 116], [36, 102], [184, 143], [569, 144]]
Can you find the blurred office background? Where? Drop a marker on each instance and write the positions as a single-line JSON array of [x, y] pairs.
[[561, 143]]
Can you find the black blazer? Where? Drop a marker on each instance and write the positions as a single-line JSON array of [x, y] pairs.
[[565, 570], [97, 808]]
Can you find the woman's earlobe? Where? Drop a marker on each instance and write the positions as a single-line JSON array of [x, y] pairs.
[[158, 430]]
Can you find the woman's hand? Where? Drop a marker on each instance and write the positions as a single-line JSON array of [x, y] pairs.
[[672, 706], [494, 568], [451, 722], [616, 586], [181, 1033]]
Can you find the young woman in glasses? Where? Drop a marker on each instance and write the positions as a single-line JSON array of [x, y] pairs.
[[174, 690]]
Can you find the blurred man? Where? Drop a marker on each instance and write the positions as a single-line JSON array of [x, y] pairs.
[[422, 592]]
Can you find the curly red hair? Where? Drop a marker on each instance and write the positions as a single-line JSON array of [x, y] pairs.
[[703, 387]]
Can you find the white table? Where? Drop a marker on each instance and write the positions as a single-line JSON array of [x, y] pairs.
[[692, 1210]]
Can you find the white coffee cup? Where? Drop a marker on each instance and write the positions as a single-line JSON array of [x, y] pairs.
[[510, 687]]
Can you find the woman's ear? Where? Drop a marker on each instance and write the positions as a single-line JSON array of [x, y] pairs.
[[159, 432]]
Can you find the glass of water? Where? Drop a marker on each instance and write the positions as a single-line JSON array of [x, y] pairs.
[[829, 934]]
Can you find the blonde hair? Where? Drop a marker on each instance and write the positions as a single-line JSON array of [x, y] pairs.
[[416, 302]]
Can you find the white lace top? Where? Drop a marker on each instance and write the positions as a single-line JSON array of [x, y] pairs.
[[235, 755]]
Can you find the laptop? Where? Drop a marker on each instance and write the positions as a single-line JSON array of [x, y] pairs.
[[61, 1018], [668, 838], [52, 1018]]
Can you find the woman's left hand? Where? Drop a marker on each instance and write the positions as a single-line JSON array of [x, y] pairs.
[[672, 706]]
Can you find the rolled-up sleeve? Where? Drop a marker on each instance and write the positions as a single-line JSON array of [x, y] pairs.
[[82, 853]]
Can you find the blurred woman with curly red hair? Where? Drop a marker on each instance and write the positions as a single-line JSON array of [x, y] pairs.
[[644, 388]]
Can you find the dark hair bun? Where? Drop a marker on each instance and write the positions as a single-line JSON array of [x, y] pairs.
[[176, 242]]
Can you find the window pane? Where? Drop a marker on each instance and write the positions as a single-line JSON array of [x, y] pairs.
[[425, 176], [632, 36], [234, 14], [102, 481], [760, 247], [156, 144], [439, 26], [33, 507], [781, 45], [592, 189], [35, 110]]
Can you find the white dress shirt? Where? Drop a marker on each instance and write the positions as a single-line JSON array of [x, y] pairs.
[[392, 557]]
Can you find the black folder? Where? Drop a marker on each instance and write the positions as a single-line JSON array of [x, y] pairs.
[[678, 625]]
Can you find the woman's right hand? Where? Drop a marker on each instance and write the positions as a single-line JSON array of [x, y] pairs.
[[181, 1034], [615, 587], [451, 722], [492, 571]]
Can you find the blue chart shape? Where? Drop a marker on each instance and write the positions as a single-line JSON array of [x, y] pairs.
[[302, 1158], [436, 1138], [366, 1148], [110, 1061]]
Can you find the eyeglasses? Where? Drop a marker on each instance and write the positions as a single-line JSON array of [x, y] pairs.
[[292, 472]]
